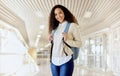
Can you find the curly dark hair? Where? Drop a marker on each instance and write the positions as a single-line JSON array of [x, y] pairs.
[[53, 23]]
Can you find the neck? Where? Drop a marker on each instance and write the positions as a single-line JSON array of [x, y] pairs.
[[62, 22]]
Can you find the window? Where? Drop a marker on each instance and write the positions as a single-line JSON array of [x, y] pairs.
[[14, 59], [93, 52]]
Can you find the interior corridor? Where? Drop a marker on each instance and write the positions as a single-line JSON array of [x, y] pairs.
[[44, 70], [25, 47]]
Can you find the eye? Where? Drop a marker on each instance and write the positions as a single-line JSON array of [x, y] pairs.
[[55, 14], [60, 12]]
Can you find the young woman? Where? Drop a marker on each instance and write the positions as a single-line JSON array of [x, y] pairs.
[[62, 64]]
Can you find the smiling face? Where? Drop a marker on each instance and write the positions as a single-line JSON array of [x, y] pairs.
[[59, 15]]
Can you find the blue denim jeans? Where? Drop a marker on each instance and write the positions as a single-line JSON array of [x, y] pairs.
[[63, 70]]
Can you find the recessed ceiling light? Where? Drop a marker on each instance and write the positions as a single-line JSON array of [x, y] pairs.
[[87, 14], [38, 36], [42, 27]]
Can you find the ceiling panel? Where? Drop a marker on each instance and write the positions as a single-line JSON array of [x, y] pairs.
[[102, 11]]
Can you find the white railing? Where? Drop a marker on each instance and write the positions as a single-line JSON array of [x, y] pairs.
[[14, 64]]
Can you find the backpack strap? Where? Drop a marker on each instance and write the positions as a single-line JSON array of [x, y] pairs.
[[67, 27], [53, 31]]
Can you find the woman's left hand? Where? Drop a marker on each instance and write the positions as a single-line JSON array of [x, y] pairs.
[[64, 36]]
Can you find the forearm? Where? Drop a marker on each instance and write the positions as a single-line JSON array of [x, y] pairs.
[[74, 43]]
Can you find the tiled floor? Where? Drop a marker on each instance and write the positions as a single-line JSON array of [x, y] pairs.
[[44, 70]]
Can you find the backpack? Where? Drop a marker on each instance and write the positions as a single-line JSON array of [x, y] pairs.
[[74, 49]]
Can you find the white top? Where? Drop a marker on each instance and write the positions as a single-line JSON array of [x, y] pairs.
[[57, 53]]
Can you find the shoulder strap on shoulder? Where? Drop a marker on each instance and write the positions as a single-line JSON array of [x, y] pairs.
[[67, 27]]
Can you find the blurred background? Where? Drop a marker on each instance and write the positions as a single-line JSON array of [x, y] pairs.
[[24, 45]]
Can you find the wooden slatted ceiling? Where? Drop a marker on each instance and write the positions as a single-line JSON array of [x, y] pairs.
[[11, 18], [104, 12], [100, 8]]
